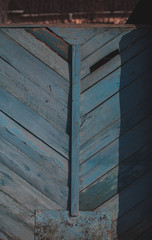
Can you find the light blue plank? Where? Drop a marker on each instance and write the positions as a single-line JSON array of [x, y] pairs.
[[124, 47], [58, 225], [112, 83], [91, 47], [14, 229], [117, 179], [133, 192], [34, 69], [28, 92], [33, 147], [33, 173], [106, 159], [116, 107], [17, 209], [52, 40], [74, 35], [40, 50], [33, 122], [23, 192], [104, 138], [75, 130], [95, 42]]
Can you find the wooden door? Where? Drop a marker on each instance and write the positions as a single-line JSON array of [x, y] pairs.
[[115, 125]]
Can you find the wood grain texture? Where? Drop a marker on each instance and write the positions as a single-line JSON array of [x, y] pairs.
[[75, 35], [127, 146], [52, 40], [16, 109], [40, 50], [110, 111], [114, 63], [75, 130], [112, 83]]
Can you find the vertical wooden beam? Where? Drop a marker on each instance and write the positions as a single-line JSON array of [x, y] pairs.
[[75, 130]]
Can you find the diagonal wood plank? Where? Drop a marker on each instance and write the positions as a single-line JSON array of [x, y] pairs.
[[34, 123], [124, 46], [35, 70], [107, 186], [47, 106], [39, 50], [33, 173], [107, 158], [133, 192], [74, 35], [9, 224], [116, 107], [26, 194], [110, 43], [34, 148], [52, 40], [93, 97]]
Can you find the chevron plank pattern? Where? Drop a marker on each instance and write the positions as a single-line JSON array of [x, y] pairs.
[[34, 127], [115, 126], [115, 131]]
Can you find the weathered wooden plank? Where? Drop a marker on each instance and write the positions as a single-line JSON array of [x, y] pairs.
[[115, 81], [116, 107], [129, 197], [99, 164], [74, 35], [115, 62], [17, 209], [117, 179], [95, 42], [26, 194], [33, 173], [109, 36], [33, 147], [105, 137], [33, 122], [35, 70], [14, 229], [39, 50], [50, 108], [135, 222], [75, 130], [52, 40]]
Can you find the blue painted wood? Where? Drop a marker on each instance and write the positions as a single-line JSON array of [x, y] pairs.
[[52, 40], [106, 159], [40, 50], [88, 225], [115, 62], [87, 196], [106, 38], [34, 123], [111, 84], [75, 130], [115, 135], [74, 35], [110, 111], [134, 192]]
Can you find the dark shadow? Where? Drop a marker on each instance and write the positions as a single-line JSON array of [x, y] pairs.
[[135, 142], [142, 13]]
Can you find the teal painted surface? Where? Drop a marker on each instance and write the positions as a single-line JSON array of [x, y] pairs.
[[112, 139], [75, 130], [87, 225]]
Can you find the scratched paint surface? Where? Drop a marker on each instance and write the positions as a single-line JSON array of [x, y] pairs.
[[87, 226]]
